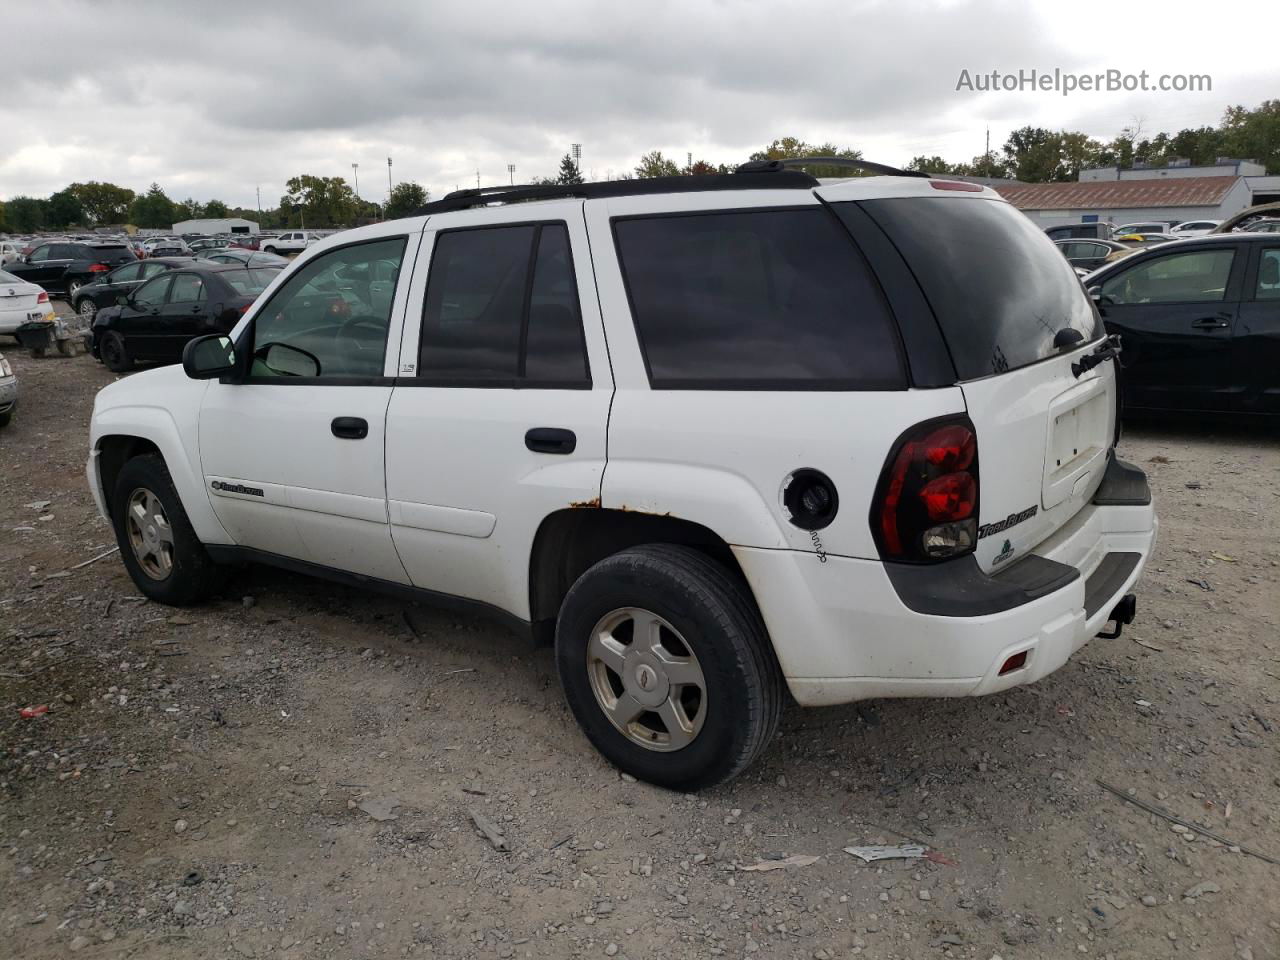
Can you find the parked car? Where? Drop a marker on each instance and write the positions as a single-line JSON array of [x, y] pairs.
[[167, 247], [8, 392], [292, 242], [1264, 225], [245, 241], [1194, 228], [64, 267], [119, 282], [719, 440], [1200, 324], [1089, 255], [1145, 226], [154, 322], [247, 257], [21, 302], [11, 250], [1092, 230], [206, 243], [1247, 216]]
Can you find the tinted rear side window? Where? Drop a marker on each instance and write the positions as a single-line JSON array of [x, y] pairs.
[[998, 286], [769, 299]]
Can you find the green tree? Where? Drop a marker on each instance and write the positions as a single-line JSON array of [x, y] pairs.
[[701, 168], [188, 209], [153, 209], [216, 209], [25, 214], [933, 165], [103, 203], [569, 172], [1034, 155], [4, 224], [1253, 134], [405, 199], [318, 201], [654, 164], [63, 210]]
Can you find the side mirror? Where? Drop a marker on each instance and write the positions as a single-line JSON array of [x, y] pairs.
[[207, 358], [121, 299], [289, 361]]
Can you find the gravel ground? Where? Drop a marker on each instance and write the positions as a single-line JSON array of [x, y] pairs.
[[292, 770]]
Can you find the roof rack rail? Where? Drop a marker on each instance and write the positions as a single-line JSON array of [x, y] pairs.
[[787, 163], [772, 179]]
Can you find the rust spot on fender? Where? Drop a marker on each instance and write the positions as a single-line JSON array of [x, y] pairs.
[[592, 504]]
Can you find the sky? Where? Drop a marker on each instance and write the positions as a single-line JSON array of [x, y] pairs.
[[215, 100]]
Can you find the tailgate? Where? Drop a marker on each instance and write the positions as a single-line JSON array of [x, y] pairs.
[[1043, 438], [17, 300]]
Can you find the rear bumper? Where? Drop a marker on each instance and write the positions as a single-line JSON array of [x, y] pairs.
[[843, 632], [8, 393], [11, 320]]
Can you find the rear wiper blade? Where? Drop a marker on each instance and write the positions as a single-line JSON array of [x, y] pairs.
[[1108, 349]]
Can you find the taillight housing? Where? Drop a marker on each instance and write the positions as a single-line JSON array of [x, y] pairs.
[[99, 268], [926, 503], [42, 296]]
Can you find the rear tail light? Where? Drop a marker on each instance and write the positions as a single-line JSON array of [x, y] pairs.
[[99, 268], [926, 503], [244, 308], [42, 296]]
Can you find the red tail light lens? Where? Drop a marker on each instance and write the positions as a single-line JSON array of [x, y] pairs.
[[962, 185], [42, 297], [99, 268], [926, 504]]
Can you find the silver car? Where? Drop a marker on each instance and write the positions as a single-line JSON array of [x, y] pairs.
[[8, 392]]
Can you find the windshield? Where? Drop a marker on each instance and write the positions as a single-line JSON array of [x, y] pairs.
[[999, 287]]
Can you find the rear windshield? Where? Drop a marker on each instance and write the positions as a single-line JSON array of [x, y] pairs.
[[999, 287], [762, 299], [115, 253], [250, 283]]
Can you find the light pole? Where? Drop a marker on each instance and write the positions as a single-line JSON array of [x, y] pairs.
[[389, 187], [511, 172], [355, 173], [575, 149]]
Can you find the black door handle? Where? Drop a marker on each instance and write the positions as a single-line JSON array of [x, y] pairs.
[[1210, 323], [551, 440], [350, 428]]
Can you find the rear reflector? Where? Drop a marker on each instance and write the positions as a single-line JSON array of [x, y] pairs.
[[1016, 662], [956, 185]]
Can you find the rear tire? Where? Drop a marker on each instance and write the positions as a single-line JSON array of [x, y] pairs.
[[161, 551], [6, 417], [73, 290], [114, 352], [714, 665], [87, 309]]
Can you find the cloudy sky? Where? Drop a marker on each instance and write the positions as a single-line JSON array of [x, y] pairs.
[[217, 99]]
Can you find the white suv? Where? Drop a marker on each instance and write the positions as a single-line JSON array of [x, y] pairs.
[[717, 438], [293, 242]]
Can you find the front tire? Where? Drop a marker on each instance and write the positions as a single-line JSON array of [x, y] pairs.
[[667, 666], [114, 352], [87, 309], [161, 551], [73, 289]]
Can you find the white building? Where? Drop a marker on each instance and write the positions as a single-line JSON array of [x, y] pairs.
[[213, 227]]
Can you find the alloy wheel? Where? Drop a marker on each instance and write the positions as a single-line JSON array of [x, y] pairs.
[[646, 679], [150, 534]]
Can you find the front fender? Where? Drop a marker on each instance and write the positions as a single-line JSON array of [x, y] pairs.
[[177, 442]]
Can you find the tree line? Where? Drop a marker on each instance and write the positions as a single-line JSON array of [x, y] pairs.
[[309, 201]]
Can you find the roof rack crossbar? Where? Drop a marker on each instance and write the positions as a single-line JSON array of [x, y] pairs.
[[788, 163], [746, 180]]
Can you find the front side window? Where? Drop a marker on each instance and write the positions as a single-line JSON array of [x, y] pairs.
[[764, 299], [1194, 276], [187, 288], [153, 269], [152, 293], [39, 254], [331, 312], [127, 274], [1269, 275], [488, 322]]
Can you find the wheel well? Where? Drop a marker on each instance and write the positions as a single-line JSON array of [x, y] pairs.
[[569, 542], [113, 453]]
